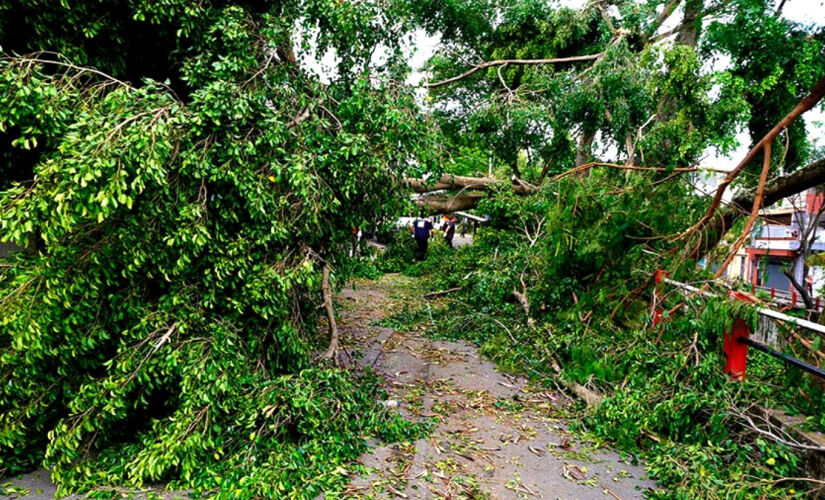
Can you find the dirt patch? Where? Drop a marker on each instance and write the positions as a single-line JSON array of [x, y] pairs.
[[493, 435]]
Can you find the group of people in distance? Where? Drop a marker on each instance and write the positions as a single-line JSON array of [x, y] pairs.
[[423, 229]]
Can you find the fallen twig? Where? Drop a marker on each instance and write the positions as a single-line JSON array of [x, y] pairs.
[[439, 293], [395, 491]]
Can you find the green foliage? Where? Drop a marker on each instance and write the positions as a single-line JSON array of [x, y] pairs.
[[655, 102], [161, 326], [777, 62], [288, 435], [400, 254]]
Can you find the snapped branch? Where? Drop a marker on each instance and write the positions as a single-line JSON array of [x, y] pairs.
[[804, 105]]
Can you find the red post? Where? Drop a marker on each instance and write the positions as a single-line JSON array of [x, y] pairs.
[[657, 316], [773, 294], [659, 274], [736, 353], [793, 297]]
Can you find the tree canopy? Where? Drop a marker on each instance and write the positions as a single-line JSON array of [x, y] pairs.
[[183, 177], [160, 325]]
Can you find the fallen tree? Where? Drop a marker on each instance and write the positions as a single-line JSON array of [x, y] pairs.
[[469, 191], [163, 330], [808, 176], [445, 203]]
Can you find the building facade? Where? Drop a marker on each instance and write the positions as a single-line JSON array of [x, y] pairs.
[[779, 247]]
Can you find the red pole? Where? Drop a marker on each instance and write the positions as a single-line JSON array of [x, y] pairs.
[[736, 353], [793, 297], [773, 294]]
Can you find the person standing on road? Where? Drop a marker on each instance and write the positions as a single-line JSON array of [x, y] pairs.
[[449, 230], [421, 230]]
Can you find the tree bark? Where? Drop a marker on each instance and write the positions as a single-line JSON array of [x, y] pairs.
[[691, 26], [445, 203], [326, 290], [452, 182], [448, 181], [583, 151]]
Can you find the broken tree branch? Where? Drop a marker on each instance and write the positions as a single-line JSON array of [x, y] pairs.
[[439, 293], [445, 203], [521, 297], [588, 166], [810, 175], [757, 204], [589, 397], [804, 105], [448, 181]]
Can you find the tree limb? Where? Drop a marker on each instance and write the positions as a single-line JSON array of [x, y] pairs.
[[80, 69], [326, 290], [445, 203], [588, 166], [757, 204], [521, 297], [448, 181], [589, 397], [667, 11], [502, 62], [804, 105], [439, 293]]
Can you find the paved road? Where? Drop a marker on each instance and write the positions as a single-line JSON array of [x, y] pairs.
[[495, 436]]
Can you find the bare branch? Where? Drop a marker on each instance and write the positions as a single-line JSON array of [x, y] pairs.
[[804, 105], [764, 426], [503, 62], [81, 69], [587, 166], [757, 204]]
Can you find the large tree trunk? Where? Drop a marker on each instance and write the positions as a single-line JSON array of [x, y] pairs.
[[584, 153], [446, 203], [448, 181]]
